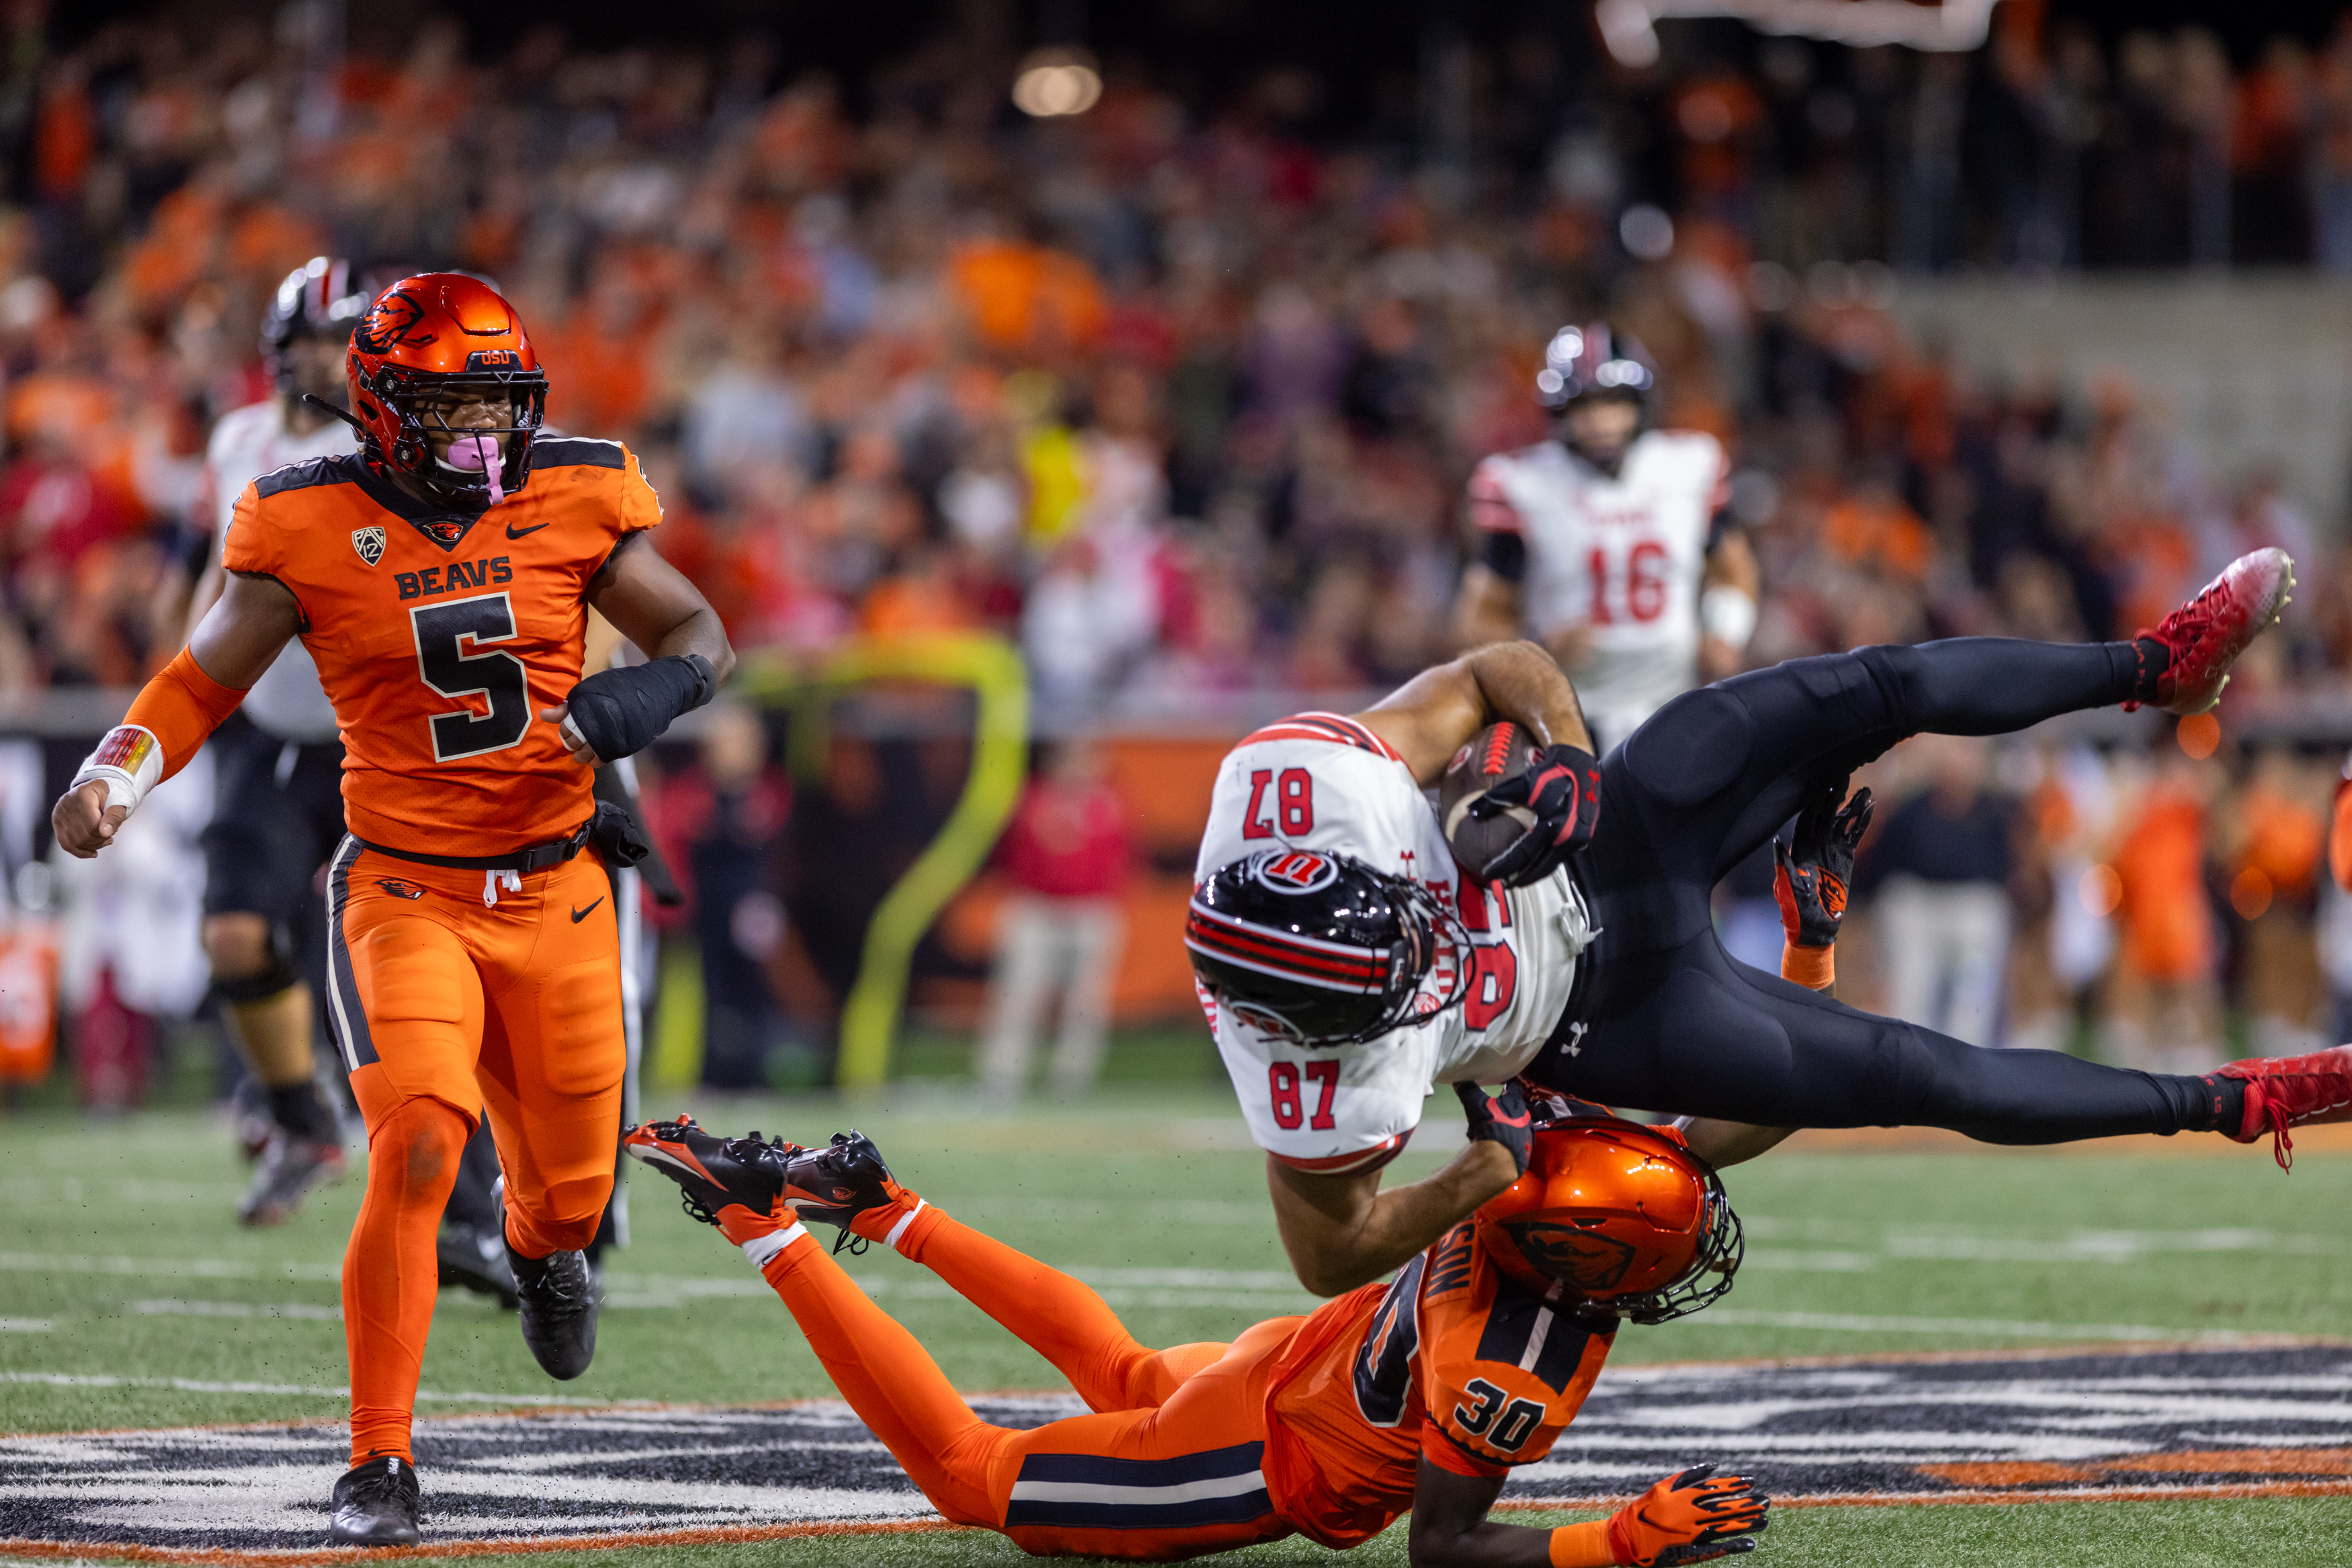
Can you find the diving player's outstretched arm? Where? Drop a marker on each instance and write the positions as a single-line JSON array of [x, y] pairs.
[[1687, 1518], [1342, 1231], [232, 647], [616, 712], [1433, 714]]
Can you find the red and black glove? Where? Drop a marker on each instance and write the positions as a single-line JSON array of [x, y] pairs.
[[1689, 1518], [1812, 877], [1500, 1119], [1561, 790]]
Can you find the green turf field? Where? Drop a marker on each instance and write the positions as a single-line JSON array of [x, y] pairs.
[[129, 1298]]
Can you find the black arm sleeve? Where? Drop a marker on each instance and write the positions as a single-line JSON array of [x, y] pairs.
[[1505, 555]]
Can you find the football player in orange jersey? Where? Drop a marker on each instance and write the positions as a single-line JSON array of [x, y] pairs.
[[1419, 1394], [441, 578]]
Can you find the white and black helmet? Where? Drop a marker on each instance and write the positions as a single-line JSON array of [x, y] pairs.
[[1323, 949], [1592, 358]]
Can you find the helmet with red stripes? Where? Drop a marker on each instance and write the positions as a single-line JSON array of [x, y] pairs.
[[1322, 950], [318, 299], [1624, 1216], [1591, 359]]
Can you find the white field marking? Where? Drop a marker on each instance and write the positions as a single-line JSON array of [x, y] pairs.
[[1965, 1244], [195, 1268], [339, 1391], [1064, 1210], [1991, 1328], [26, 1325], [1809, 1263], [533, 1464], [2060, 1399], [238, 1310]]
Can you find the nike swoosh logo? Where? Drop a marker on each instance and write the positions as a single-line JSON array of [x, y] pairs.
[[515, 533], [580, 915]]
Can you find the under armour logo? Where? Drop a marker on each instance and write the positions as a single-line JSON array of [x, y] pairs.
[[1576, 1039]]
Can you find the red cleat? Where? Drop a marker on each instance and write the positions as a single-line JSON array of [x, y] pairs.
[[2284, 1091], [2206, 635]]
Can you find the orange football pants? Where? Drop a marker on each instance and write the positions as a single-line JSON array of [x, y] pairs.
[[444, 1005], [1168, 1467]]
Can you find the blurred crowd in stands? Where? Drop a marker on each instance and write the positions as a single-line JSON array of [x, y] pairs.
[[1181, 396]]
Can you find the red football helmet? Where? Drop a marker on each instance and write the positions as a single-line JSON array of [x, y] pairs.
[[436, 333], [1625, 1216]]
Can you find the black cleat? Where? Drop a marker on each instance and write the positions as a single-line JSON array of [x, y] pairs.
[[836, 1183], [476, 1259], [291, 1168], [556, 1298], [731, 1183], [375, 1505]]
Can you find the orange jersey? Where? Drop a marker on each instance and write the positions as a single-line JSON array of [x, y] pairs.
[[1453, 1359], [439, 638]]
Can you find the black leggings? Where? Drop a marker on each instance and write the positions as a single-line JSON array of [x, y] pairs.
[[1668, 1020]]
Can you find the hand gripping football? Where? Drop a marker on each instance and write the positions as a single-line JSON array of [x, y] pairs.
[[1498, 752]]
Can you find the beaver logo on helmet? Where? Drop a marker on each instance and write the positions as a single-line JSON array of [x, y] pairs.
[[390, 322], [1624, 1216]]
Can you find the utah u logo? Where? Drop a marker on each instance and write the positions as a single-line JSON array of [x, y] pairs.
[[369, 542], [1297, 872]]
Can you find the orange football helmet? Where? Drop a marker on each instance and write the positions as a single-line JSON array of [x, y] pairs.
[[1624, 1216], [446, 331]]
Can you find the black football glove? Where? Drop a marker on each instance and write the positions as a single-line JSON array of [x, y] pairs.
[[1811, 880], [1689, 1518], [1562, 788], [1500, 1119], [621, 712]]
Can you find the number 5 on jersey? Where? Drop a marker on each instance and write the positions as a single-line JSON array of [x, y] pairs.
[[442, 632]]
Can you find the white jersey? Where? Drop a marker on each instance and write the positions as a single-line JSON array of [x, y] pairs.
[[1621, 558], [288, 701], [1319, 781]]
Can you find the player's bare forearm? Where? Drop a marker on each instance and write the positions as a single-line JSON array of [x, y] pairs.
[[245, 629], [1487, 608], [1732, 564], [1344, 1231], [1450, 1527], [1722, 1144], [652, 604], [1433, 714]]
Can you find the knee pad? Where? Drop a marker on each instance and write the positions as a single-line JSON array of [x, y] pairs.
[[273, 978]]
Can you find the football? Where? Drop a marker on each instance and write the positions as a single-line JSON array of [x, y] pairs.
[[1498, 752]]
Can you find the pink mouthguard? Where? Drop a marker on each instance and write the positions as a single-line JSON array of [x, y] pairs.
[[480, 453]]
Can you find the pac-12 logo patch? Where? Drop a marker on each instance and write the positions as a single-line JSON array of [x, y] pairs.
[[1295, 872], [369, 542]]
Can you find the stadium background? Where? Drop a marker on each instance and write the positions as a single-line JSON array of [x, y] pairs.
[[1150, 422]]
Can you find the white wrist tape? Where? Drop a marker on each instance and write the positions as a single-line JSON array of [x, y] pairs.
[[128, 761], [1727, 614]]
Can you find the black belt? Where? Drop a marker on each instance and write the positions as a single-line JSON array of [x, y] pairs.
[[531, 857]]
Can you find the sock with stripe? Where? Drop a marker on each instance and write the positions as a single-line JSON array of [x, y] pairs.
[[1060, 1318], [884, 1374]]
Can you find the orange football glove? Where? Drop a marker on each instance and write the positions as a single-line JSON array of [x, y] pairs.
[[1688, 1518]]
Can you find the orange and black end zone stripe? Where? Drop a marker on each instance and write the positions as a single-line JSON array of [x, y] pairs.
[[1337, 728]]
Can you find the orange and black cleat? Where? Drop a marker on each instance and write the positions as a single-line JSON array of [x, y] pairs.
[[735, 1184], [2205, 636]]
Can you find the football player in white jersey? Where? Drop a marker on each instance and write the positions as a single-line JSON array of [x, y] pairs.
[[1611, 544], [1348, 966], [277, 811]]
